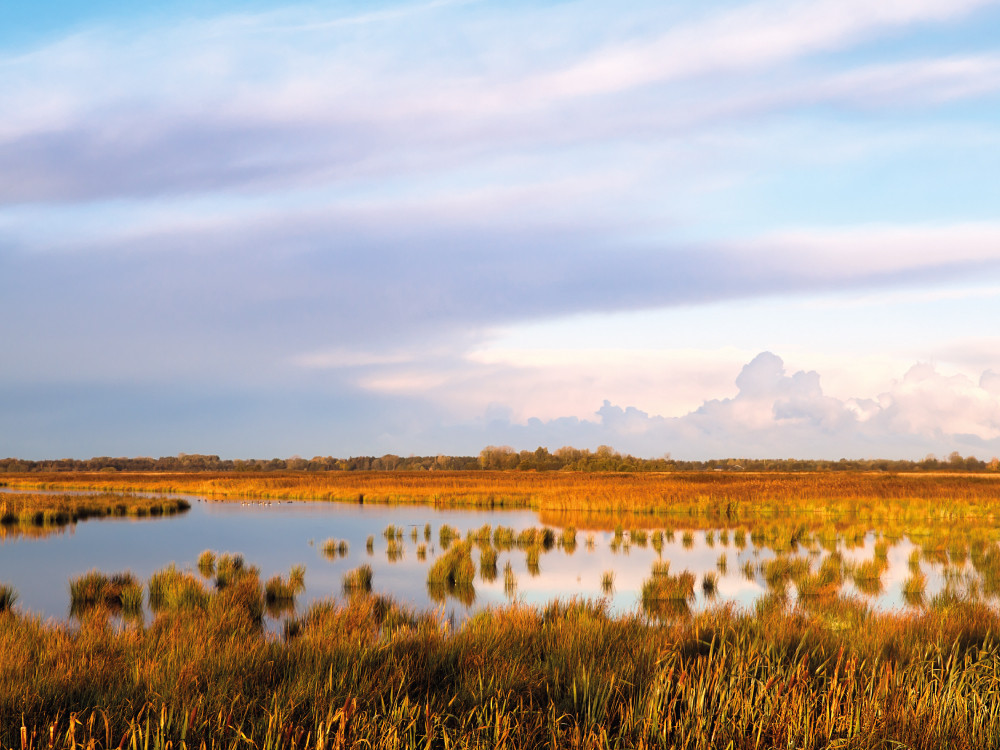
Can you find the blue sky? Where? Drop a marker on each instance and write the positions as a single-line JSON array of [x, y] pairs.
[[753, 228]]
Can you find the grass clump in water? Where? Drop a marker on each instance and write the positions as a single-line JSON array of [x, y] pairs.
[[503, 538], [358, 581], [710, 584], [488, 564], [334, 548], [531, 559], [914, 589], [279, 594], [665, 595], [453, 574], [394, 550], [118, 593], [230, 569], [206, 563], [608, 582], [509, 581], [446, 535], [393, 532]]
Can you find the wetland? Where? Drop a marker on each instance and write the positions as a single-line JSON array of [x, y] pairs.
[[549, 610]]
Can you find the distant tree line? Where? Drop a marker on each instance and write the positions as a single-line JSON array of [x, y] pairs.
[[494, 458]]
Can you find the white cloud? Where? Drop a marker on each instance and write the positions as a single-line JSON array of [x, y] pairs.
[[773, 413], [879, 249]]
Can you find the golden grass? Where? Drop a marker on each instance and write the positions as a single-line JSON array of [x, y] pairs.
[[369, 673], [724, 495], [37, 514]]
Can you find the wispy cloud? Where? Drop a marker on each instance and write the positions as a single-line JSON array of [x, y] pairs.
[[320, 203]]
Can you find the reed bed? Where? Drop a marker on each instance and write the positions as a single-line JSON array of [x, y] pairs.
[[719, 496], [369, 673], [35, 513]]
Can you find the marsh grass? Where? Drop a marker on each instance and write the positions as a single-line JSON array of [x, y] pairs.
[[509, 581], [608, 582], [567, 539], [667, 596], [503, 538], [488, 564], [231, 569], [657, 541], [394, 550], [531, 560], [453, 574], [120, 593], [33, 513], [206, 563], [368, 672], [280, 593], [173, 590], [825, 583], [482, 536], [722, 564], [336, 548], [710, 584], [915, 589], [868, 576], [8, 596], [358, 581], [446, 535]]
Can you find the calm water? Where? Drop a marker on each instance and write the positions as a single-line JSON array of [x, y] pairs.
[[276, 536]]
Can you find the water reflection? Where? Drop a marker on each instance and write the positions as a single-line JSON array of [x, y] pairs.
[[492, 557]]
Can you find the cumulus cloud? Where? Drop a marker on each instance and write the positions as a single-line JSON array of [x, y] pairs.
[[779, 414]]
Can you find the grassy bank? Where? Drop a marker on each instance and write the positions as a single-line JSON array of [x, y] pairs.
[[31, 513], [369, 673]]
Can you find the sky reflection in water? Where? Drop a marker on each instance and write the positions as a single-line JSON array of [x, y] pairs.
[[276, 536]]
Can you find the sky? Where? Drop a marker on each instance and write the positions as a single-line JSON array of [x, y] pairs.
[[748, 228]]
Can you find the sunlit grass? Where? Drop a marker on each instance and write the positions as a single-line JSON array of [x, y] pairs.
[[358, 581]]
